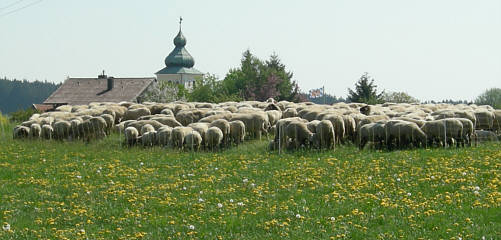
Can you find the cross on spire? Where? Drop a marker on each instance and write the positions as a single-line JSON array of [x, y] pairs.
[[180, 21]]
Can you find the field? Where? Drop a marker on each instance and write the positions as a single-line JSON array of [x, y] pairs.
[[101, 190]]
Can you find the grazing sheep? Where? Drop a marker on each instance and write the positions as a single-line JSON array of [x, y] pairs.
[[139, 124], [485, 120], [147, 128], [372, 132], [468, 131], [312, 125], [237, 131], [350, 127], [62, 130], [497, 121], [290, 112], [164, 136], [149, 138], [131, 136], [404, 134], [21, 132], [168, 121], [98, 127], [338, 123], [212, 118], [35, 130], [274, 116], [224, 125], [297, 135], [110, 122], [325, 134], [255, 123], [201, 127], [485, 136], [193, 140], [167, 111], [280, 131], [178, 134], [134, 114], [47, 131], [214, 137]]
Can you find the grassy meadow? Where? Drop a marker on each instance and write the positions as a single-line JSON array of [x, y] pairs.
[[101, 190]]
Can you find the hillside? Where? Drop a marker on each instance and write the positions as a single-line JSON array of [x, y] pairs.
[[17, 94]]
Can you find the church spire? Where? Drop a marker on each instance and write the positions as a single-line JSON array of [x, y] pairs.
[[179, 57]]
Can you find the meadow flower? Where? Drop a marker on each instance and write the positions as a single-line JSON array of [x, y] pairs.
[[477, 188], [184, 188], [200, 200], [231, 200], [464, 173], [240, 203], [409, 194], [79, 177], [298, 215], [219, 205], [432, 177], [82, 231], [191, 227], [398, 179], [245, 180], [6, 227], [141, 163], [370, 177], [333, 218]]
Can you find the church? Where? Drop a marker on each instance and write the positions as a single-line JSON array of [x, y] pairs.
[[79, 91]]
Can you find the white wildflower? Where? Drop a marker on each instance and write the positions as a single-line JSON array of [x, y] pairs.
[[409, 194], [398, 179], [245, 180], [231, 200], [298, 215], [200, 200], [240, 203], [6, 227], [79, 177], [333, 219], [219, 205], [191, 227]]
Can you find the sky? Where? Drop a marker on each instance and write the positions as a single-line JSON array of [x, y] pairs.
[[431, 49]]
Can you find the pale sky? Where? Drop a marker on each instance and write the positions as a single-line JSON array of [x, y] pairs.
[[431, 49]]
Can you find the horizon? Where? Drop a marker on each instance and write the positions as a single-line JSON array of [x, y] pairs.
[[448, 45]]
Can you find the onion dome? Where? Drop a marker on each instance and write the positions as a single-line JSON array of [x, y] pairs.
[[179, 57]]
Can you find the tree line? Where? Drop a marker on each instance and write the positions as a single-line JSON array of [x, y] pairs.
[[20, 94]]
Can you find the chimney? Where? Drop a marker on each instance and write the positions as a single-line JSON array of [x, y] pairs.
[[111, 83]]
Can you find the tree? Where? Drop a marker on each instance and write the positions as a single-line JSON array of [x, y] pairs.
[[365, 91], [163, 91], [490, 97], [399, 97], [210, 89], [258, 80]]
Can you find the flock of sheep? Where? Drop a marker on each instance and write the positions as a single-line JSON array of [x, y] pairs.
[[195, 126]]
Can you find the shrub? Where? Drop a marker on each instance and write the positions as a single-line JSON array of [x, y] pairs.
[[22, 115]]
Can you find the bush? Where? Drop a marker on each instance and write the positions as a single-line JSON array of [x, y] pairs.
[[22, 115]]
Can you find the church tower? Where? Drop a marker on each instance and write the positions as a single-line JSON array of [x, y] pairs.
[[179, 64]]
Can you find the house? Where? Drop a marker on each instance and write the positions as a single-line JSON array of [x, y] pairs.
[[78, 91]]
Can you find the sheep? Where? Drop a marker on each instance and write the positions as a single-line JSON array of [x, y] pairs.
[[281, 126], [139, 124], [147, 128], [35, 130], [274, 116], [290, 112], [164, 136], [312, 125], [297, 134], [497, 121], [167, 111], [74, 132], [484, 136], [149, 138], [237, 131], [485, 120], [468, 131], [338, 123], [212, 118], [47, 132], [454, 130], [224, 125], [131, 136], [133, 114], [443, 131], [349, 127], [255, 123], [178, 134], [214, 137], [21, 132], [193, 140], [168, 121], [201, 127], [62, 130], [110, 121], [325, 134], [373, 132], [404, 133], [98, 127]]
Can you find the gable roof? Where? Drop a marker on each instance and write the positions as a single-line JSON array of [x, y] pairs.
[[76, 91]]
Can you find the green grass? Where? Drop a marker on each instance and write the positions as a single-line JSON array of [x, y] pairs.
[[58, 190]]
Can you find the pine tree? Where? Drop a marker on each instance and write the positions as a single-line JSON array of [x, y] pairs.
[[365, 91]]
